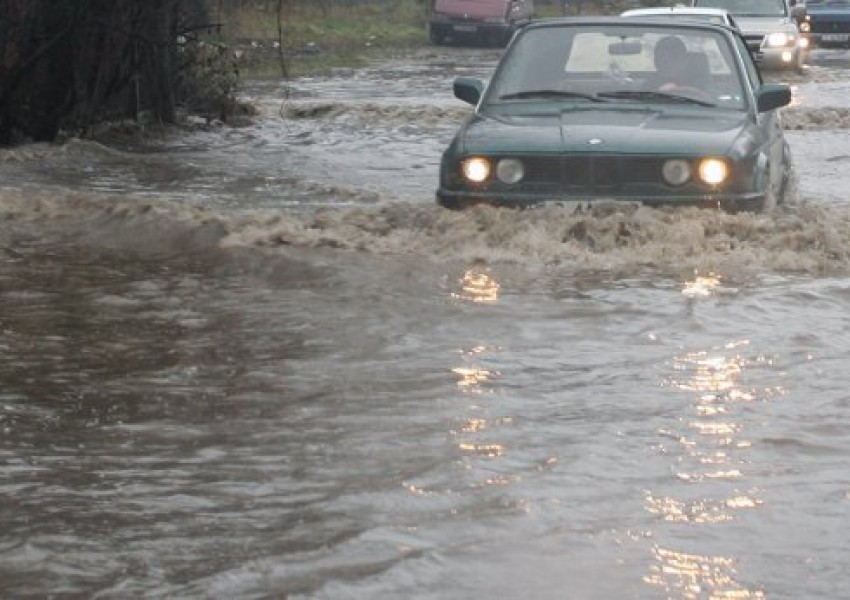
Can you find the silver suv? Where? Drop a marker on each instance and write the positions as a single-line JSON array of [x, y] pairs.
[[770, 29]]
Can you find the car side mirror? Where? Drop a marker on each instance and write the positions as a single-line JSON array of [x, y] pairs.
[[773, 95], [468, 89]]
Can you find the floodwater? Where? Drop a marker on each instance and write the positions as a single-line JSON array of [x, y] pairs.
[[260, 362]]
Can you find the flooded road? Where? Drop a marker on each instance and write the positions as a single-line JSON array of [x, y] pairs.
[[260, 362]]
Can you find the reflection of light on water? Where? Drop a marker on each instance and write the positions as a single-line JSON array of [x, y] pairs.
[[712, 374], [701, 286], [692, 477], [711, 454], [471, 378], [715, 378], [416, 490], [472, 425], [698, 511], [474, 378], [743, 502], [479, 286], [716, 458], [485, 450], [693, 576], [703, 510], [499, 480], [715, 429], [710, 411]]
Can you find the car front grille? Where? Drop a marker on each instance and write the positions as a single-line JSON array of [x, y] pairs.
[[595, 172], [820, 25]]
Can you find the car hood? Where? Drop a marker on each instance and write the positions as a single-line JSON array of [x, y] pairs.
[[838, 10], [669, 132], [764, 25]]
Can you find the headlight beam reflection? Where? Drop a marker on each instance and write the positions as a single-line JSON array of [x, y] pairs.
[[710, 487]]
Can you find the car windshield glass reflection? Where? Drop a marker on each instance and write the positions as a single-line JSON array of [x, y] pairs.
[[619, 63]]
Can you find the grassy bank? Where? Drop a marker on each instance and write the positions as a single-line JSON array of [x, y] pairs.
[[310, 38], [307, 37]]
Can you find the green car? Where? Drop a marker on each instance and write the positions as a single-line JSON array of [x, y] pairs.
[[616, 108]]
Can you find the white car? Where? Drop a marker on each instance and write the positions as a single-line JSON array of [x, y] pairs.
[[769, 28], [712, 15]]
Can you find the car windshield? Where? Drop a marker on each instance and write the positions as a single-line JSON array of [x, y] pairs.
[[632, 64], [817, 3], [748, 8]]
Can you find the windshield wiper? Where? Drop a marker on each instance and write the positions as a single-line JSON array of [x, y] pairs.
[[649, 95], [550, 94]]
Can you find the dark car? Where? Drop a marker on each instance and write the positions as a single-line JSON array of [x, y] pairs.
[[593, 108], [488, 21], [828, 22]]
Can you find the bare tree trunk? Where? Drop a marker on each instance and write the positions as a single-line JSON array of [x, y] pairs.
[[73, 61]]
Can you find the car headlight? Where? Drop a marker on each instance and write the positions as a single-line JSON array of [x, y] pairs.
[[779, 38], [510, 170], [676, 172], [476, 169], [713, 171], [805, 27]]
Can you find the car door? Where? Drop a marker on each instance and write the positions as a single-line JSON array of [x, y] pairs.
[[769, 125]]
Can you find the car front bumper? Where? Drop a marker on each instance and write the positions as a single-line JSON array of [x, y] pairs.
[[781, 57], [751, 201], [830, 39], [470, 29]]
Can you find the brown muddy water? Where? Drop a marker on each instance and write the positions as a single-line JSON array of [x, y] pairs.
[[259, 362]]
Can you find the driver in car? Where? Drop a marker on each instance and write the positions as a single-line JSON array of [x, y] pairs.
[[678, 71]]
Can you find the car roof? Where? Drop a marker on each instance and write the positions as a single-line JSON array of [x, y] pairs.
[[658, 21], [720, 15], [685, 10]]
